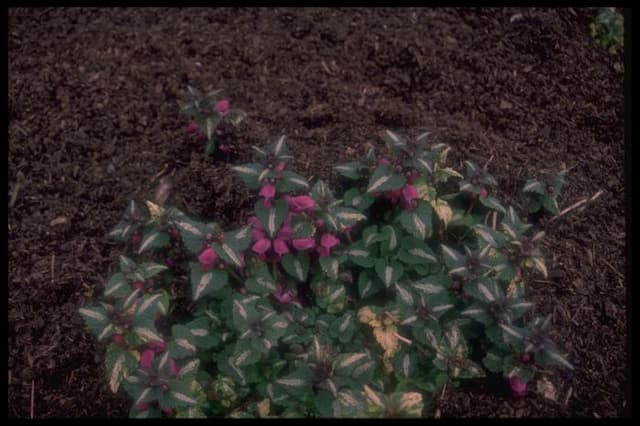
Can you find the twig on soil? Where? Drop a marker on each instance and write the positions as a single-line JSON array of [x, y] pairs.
[[16, 189], [21, 130], [53, 259], [618, 273], [576, 205], [33, 384], [566, 399], [160, 173], [487, 163]]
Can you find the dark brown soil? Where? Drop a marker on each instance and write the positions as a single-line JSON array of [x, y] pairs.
[[93, 116]]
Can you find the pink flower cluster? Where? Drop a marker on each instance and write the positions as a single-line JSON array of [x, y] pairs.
[[284, 241], [518, 387], [222, 107]]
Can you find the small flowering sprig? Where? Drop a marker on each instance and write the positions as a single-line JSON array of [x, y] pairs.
[[208, 112], [542, 194], [608, 29]]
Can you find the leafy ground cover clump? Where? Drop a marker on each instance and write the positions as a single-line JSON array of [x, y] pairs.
[[316, 307]]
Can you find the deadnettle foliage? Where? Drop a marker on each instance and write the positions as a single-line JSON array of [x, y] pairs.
[[363, 305]]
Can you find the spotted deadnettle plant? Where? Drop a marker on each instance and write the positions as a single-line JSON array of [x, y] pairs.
[[542, 194], [210, 114], [364, 305]]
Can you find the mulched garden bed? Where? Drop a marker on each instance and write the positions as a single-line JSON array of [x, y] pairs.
[[93, 117]]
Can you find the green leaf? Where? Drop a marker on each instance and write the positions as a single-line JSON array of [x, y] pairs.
[[405, 364], [389, 273], [201, 330], [323, 402], [117, 286], [330, 266], [347, 217], [183, 342], [368, 284], [384, 179], [118, 365], [360, 255], [343, 327], [371, 236], [229, 254], [249, 173], [272, 218], [534, 186], [493, 361], [360, 201], [206, 282], [350, 170], [551, 205], [96, 319], [390, 238], [240, 239], [154, 239], [151, 269], [414, 251], [492, 203], [418, 222], [296, 266], [127, 265], [291, 182], [192, 233]]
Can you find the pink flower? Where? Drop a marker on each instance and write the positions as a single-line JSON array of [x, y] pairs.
[[268, 191], [409, 194], [173, 366], [262, 246], [147, 358], [143, 406], [167, 411], [192, 127], [207, 258], [301, 203], [518, 387], [483, 192], [280, 166], [303, 243], [222, 106], [383, 162], [280, 247], [327, 242], [284, 295], [157, 346]]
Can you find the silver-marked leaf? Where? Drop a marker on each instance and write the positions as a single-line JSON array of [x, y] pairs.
[[418, 222], [384, 179], [206, 282], [117, 286], [350, 170], [368, 284], [360, 256], [534, 186], [154, 239], [296, 266], [330, 266], [272, 218], [291, 181], [389, 273], [492, 203]]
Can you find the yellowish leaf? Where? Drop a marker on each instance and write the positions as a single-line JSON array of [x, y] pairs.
[[367, 316], [263, 408], [387, 338], [443, 210], [136, 355], [426, 192], [373, 396], [411, 404], [154, 210]]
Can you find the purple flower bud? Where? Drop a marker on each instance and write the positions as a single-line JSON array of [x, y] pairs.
[[222, 106], [518, 387], [302, 203], [280, 246], [192, 127], [483, 192], [261, 246], [268, 191], [143, 406], [207, 258], [147, 358], [173, 366], [327, 242], [304, 243]]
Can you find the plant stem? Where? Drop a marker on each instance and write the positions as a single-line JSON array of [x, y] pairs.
[[235, 275]]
